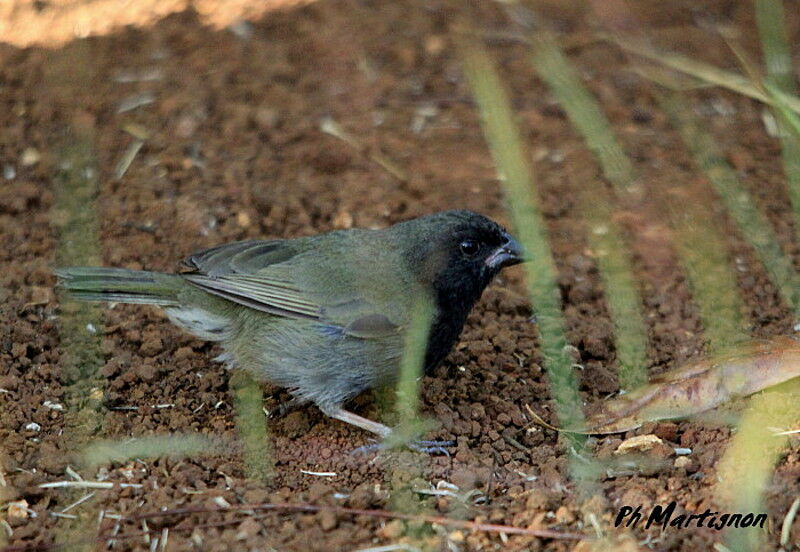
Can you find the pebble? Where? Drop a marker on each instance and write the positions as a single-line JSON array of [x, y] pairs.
[[29, 157], [18, 509], [328, 520]]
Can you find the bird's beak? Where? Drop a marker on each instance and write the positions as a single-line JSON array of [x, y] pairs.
[[510, 253]]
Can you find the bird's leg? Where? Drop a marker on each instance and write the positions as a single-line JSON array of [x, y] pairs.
[[348, 417], [383, 431], [286, 407]]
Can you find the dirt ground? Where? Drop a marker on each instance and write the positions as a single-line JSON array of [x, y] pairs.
[[235, 151]]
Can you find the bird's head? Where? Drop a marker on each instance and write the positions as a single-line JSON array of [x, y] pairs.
[[458, 253]]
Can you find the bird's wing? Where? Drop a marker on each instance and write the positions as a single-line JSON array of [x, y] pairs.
[[271, 277]]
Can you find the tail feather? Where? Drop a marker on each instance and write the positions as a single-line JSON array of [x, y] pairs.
[[120, 285]]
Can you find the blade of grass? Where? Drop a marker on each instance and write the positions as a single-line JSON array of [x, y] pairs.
[[582, 109], [702, 249], [780, 78], [746, 493], [75, 219], [511, 160], [252, 423], [703, 71], [407, 471], [606, 237], [746, 468], [407, 401], [745, 471], [753, 225], [102, 452], [775, 43]]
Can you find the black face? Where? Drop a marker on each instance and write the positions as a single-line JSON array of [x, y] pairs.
[[475, 251], [469, 250]]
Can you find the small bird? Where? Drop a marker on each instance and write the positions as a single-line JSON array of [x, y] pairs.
[[324, 316]]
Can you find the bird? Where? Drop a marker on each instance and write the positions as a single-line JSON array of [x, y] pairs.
[[325, 316]]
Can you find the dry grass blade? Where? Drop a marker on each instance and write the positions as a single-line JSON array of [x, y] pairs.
[[703, 71], [127, 158], [329, 126], [384, 514], [786, 529], [701, 386]]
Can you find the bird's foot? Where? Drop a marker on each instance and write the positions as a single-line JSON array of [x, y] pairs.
[[431, 447], [402, 436], [417, 445], [286, 407]]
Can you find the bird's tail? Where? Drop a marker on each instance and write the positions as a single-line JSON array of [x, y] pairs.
[[119, 285]]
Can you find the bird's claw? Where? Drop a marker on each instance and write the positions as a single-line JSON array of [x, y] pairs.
[[431, 447], [426, 447]]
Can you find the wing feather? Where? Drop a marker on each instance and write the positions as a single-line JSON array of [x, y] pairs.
[[261, 275]]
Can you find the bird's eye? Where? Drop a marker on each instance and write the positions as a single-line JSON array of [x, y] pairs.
[[469, 247]]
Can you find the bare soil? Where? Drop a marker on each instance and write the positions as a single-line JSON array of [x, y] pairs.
[[235, 151]]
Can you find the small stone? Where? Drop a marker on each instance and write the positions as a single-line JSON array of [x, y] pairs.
[[682, 462], [248, 529], [638, 443], [33, 426], [243, 219], [456, 536], [19, 350], [667, 431], [183, 353], [392, 530], [318, 490], [434, 44], [18, 509], [327, 520], [564, 515], [186, 126], [343, 219], [40, 295], [151, 346], [29, 157], [266, 117]]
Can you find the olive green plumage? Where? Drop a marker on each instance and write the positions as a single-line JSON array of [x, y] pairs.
[[323, 315]]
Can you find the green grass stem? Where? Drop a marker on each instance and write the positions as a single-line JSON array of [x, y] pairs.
[[702, 249], [172, 445], [747, 493], [777, 52], [705, 72], [606, 237], [75, 220], [407, 397], [511, 160], [775, 45], [252, 423], [753, 225]]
